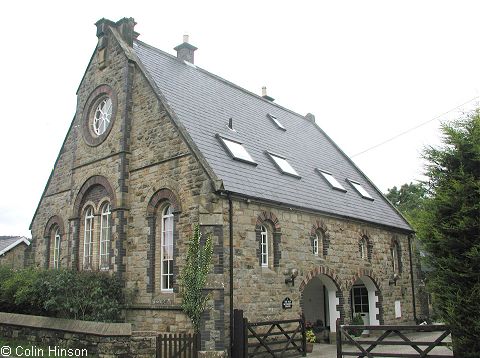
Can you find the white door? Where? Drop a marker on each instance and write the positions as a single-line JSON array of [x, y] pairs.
[[360, 304]]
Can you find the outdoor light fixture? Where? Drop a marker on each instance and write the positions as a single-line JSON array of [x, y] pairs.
[[291, 273], [393, 280]]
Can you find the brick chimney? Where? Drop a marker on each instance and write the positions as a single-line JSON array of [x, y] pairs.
[[185, 50]]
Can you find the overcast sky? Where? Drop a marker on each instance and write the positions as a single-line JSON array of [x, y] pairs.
[[368, 71]]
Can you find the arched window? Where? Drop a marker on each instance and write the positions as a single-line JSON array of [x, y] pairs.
[[56, 249], [167, 249], [396, 263], [315, 245], [264, 246], [88, 238], [105, 235], [318, 243], [363, 248]]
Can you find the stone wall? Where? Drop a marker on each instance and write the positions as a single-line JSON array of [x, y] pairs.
[[92, 339], [259, 291], [15, 258]]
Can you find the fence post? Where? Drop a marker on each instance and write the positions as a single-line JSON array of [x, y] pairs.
[[238, 334], [304, 337], [339, 339]]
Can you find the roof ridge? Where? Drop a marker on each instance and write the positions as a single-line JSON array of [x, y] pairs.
[[217, 77]]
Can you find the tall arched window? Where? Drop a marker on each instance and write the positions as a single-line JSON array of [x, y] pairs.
[[363, 248], [315, 245], [318, 243], [105, 235], [396, 261], [88, 238], [167, 249], [264, 246], [56, 249]]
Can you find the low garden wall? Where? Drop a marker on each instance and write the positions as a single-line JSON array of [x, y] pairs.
[[49, 336]]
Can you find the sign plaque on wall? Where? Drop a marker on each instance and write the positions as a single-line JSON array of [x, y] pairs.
[[286, 303]]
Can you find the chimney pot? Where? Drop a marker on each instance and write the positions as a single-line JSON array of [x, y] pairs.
[[185, 51], [265, 95]]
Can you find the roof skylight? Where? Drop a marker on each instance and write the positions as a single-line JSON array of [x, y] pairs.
[[360, 189], [276, 121], [331, 180], [283, 165], [236, 150]]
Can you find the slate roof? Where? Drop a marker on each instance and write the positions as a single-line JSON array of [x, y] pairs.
[[9, 242], [204, 103]]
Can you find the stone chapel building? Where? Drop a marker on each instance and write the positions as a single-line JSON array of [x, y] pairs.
[[158, 144]]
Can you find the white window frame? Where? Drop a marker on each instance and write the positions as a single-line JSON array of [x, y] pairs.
[[276, 121], [315, 245], [236, 150], [283, 165], [331, 180], [56, 249], [88, 238], [363, 249], [395, 258], [360, 189], [264, 246], [166, 276], [105, 236]]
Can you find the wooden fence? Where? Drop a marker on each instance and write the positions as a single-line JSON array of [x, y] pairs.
[[180, 345], [393, 336], [268, 339]]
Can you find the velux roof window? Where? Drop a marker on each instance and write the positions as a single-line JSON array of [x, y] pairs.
[[276, 121], [360, 189], [331, 180], [283, 165], [236, 150]]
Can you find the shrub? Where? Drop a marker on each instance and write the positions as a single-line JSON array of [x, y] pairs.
[[311, 338], [91, 296], [356, 321]]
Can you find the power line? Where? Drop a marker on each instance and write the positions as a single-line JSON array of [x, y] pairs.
[[413, 128]]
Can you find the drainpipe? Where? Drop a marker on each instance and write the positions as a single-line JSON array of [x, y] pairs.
[[411, 276], [230, 225]]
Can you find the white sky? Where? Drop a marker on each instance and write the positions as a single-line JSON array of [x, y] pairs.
[[368, 70]]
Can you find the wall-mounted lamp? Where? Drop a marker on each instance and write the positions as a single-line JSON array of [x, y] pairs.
[[291, 273], [393, 279]]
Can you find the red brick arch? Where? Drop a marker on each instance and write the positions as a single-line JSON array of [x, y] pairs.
[[94, 180], [318, 225], [268, 216], [331, 273], [161, 196], [365, 272], [54, 220]]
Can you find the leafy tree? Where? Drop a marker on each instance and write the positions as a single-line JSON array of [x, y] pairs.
[[194, 277], [409, 200], [450, 231]]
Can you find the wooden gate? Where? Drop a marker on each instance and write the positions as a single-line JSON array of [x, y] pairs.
[[390, 341], [180, 345], [268, 339]]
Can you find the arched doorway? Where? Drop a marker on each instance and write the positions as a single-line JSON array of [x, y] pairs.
[[364, 299], [321, 302]]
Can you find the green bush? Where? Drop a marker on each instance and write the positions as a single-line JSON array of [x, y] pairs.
[[91, 296], [356, 321]]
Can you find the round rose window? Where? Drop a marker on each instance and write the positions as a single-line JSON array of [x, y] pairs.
[[102, 116], [99, 115]]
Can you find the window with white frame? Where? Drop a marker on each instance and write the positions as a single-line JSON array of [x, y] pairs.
[[395, 258], [264, 246], [283, 165], [88, 238], [363, 248], [56, 249], [167, 249], [105, 235], [318, 244]]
